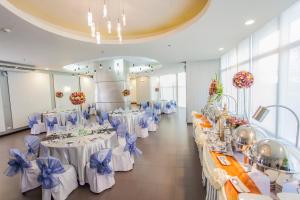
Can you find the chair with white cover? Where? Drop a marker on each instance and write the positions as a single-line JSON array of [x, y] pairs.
[[73, 120], [142, 128], [153, 121], [86, 117], [33, 146], [52, 124], [157, 108], [173, 105], [122, 132], [288, 196], [35, 124], [123, 156], [167, 109], [144, 105], [57, 180], [29, 170], [99, 172]]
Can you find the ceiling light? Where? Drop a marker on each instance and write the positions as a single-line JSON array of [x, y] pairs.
[[249, 22], [5, 30], [221, 49], [46, 68]]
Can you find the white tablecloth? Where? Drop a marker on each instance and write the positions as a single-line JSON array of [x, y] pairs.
[[76, 151]]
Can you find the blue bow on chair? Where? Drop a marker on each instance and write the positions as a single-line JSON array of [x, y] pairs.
[[33, 144], [51, 123], [143, 123], [49, 166], [86, 115], [156, 119], [148, 112], [17, 163], [100, 161], [144, 106], [122, 130], [104, 116], [115, 122], [157, 106], [99, 120], [32, 121], [131, 146], [72, 119], [168, 105]]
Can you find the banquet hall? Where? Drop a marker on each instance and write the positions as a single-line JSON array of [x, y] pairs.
[[138, 99]]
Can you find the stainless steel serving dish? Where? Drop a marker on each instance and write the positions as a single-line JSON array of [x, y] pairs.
[[273, 154], [244, 135]]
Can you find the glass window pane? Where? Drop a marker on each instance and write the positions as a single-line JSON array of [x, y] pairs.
[[264, 89], [244, 51], [290, 96]]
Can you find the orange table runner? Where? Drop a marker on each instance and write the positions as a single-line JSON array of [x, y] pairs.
[[235, 169]]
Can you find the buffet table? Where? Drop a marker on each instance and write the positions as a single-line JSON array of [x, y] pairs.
[[76, 149]]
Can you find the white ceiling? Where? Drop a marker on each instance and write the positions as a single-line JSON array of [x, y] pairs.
[[222, 25]]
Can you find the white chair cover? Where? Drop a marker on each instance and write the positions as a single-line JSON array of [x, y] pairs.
[[122, 160], [67, 182], [29, 178], [152, 127], [38, 127], [98, 182], [141, 132]]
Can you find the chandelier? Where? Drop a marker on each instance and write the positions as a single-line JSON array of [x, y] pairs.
[[94, 23]]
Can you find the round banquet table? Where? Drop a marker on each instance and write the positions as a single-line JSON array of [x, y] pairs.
[[77, 150]]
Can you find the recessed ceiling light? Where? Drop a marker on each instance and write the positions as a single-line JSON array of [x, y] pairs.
[[249, 22], [221, 49], [46, 68], [5, 30]]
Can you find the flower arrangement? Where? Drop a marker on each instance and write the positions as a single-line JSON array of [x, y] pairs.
[[215, 89], [235, 122], [126, 92], [243, 79], [59, 94], [77, 98]]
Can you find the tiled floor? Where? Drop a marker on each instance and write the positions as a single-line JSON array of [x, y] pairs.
[[168, 170]]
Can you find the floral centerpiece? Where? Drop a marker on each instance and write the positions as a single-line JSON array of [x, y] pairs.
[[59, 94], [243, 79], [126, 92], [215, 89], [235, 122], [77, 98]]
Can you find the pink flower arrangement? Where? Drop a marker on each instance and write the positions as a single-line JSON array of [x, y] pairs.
[[77, 98], [243, 79], [235, 122]]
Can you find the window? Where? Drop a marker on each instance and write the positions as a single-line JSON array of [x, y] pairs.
[[181, 83], [168, 87], [272, 54]]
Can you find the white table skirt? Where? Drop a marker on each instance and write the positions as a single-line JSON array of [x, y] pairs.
[[131, 119], [78, 154]]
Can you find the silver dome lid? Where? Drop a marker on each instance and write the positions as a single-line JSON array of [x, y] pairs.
[[271, 153], [245, 135]]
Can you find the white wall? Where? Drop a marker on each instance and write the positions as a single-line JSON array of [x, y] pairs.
[[2, 122], [66, 84], [142, 89], [133, 90], [198, 77], [29, 93], [88, 86]]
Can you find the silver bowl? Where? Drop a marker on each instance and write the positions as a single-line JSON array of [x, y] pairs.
[[273, 154]]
